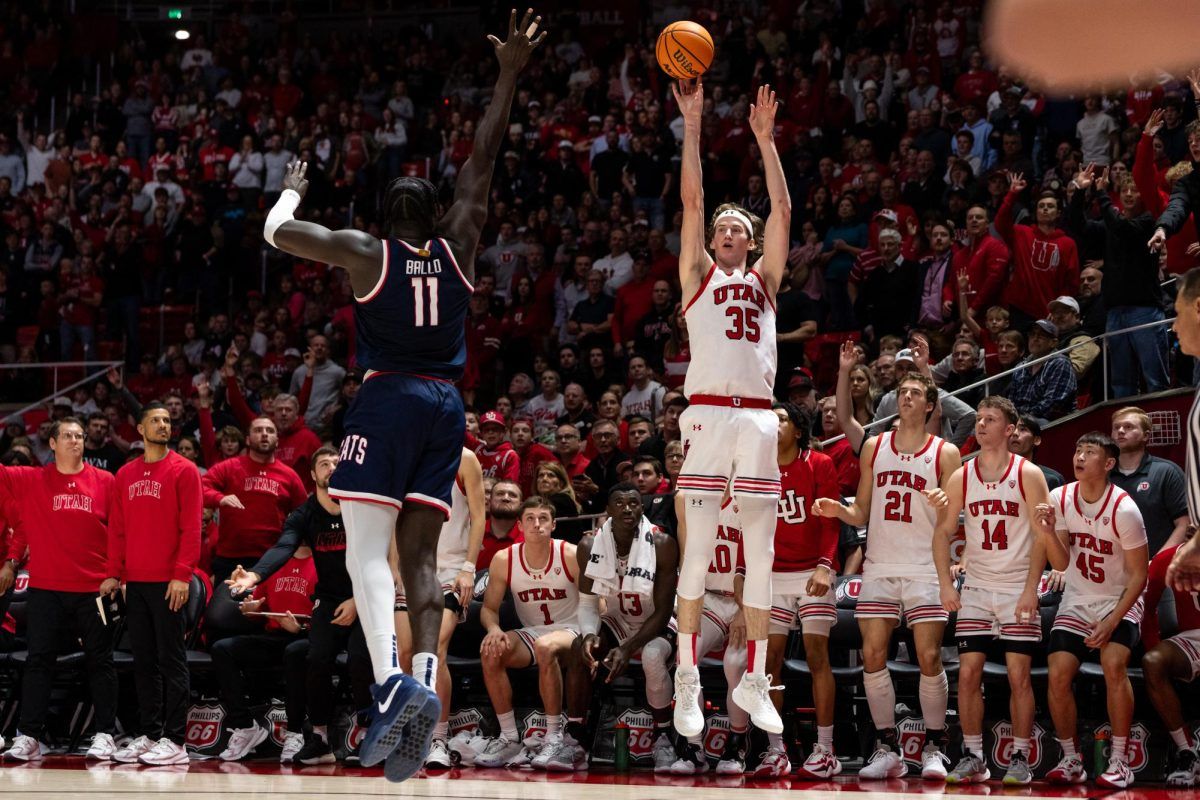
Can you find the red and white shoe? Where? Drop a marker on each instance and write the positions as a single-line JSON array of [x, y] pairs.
[[1117, 776], [820, 764], [1068, 770], [774, 764]]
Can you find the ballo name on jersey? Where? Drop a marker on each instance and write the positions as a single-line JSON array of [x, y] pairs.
[[145, 488], [994, 508], [735, 292], [539, 594], [72, 502], [1086, 541], [260, 483], [793, 508], [413, 266], [898, 477]]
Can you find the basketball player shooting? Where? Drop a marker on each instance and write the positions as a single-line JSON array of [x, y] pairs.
[[404, 432], [729, 430]]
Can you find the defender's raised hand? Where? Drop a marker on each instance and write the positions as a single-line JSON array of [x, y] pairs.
[[293, 177], [762, 113], [513, 53]]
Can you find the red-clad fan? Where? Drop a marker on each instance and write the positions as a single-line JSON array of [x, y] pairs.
[[1173, 659], [530, 453], [801, 576], [255, 493], [497, 457], [61, 513], [1045, 258], [153, 547], [503, 527]]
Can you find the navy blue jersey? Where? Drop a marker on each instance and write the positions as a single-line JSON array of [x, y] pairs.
[[413, 319]]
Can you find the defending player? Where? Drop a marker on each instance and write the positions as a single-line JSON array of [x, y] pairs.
[[1101, 607], [541, 573], [1004, 558], [404, 432], [898, 492], [458, 548], [729, 430]]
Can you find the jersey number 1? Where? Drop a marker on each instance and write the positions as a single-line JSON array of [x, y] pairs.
[[419, 285]]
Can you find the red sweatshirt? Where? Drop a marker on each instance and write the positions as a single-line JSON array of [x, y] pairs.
[[269, 492], [296, 444], [503, 463], [64, 519], [1187, 604], [534, 455], [1145, 176], [986, 265], [803, 541], [1045, 265], [289, 589], [154, 532]]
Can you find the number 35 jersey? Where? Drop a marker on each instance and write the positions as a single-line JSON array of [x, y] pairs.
[[731, 333], [999, 539], [900, 529], [414, 319], [1098, 534]]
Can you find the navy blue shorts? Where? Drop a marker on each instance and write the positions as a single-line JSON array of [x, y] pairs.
[[404, 442]]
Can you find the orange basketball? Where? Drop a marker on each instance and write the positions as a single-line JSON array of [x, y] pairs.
[[684, 50]]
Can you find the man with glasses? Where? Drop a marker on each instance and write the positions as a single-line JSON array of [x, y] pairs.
[[568, 448], [602, 473]]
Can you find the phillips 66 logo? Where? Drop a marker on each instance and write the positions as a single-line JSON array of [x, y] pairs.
[[716, 734], [911, 738], [1003, 744], [641, 731], [465, 719], [1135, 749], [204, 726]]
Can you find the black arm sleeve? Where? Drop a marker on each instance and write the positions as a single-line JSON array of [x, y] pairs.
[[293, 536]]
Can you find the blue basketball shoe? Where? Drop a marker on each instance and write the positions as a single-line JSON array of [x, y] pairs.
[[415, 741], [397, 701]]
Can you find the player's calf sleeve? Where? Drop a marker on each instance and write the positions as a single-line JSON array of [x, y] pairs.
[[881, 698], [369, 531], [758, 514], [656, 656], [700, 513], [933, 693]]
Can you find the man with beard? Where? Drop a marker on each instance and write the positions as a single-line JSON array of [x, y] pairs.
[[503, 527], [530, 452], [255, 493], [153, 548], [1045, 258], [97, 449], [984, 260]]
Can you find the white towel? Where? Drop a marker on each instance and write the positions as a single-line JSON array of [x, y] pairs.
[[640, 571]]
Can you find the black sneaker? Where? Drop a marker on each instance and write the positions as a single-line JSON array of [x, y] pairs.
[[315, 751], [352, 757], [691, 759]]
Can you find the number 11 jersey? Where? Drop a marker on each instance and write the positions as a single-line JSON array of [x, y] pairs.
[[900, 529]]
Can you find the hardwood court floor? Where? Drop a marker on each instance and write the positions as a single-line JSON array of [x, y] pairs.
[[61, 777]]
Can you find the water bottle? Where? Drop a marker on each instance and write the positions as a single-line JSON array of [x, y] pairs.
[[1101, 747], [621, 748]]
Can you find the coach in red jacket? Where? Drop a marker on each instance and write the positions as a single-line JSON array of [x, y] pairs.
[[254, 494], [61, 512], [153, 547]]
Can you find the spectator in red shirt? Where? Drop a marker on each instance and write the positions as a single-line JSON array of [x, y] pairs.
[[503, 524], [285, 95], [78, 302], [1045, 258], [496, 456], [567, 447], [530, 453], [634, 301], [845, 460], [255, 493], [984, 260], [976, 84], [153, 548], [483, 345]]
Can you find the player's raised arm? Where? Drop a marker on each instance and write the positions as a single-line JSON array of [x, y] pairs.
[[464, 220], [694, 260], [358, 252], [777, 235]]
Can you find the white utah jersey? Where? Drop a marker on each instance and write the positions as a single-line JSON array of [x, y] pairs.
[[731, 333], [547, 595], [1099, 534], [727, 560], [456, 531], [999, 537], [626, 612], [900, 529]]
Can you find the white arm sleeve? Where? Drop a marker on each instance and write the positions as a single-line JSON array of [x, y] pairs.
[[285, 209], [589, 614]]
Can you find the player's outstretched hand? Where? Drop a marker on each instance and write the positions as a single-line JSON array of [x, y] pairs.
[[762, 113], [241, 581], [826, 507], [293, 177], [513, 53], [689, 96]]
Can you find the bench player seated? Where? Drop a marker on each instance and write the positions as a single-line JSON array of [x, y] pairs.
[[542, 575], [630, 565], [458, 548], [1004, 555], [1170, 660], [1101, 530]]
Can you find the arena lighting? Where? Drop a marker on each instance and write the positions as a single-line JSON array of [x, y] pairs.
[[182, 35]]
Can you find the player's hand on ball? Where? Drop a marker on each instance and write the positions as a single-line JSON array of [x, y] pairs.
[[689, 96], [513, 53]]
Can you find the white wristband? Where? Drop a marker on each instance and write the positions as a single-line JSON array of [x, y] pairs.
[[468, 566], [589, 614], [284, 210]]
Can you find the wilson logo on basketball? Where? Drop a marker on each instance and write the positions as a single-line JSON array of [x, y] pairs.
[[204, 726], [1003, 744]]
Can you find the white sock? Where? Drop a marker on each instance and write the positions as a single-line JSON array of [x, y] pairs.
[[553, 726], [974, 744], [1180, 738], [370, 528], [775, 741], [825, 736], [1020, 745], [756, 656], [508, 726], [425, 669], [934, 693], [1068, 746], [441, 729], [321, 732], [881, 698], [1118, 747]]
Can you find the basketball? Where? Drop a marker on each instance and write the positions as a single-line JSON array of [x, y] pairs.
[[684, 50]]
